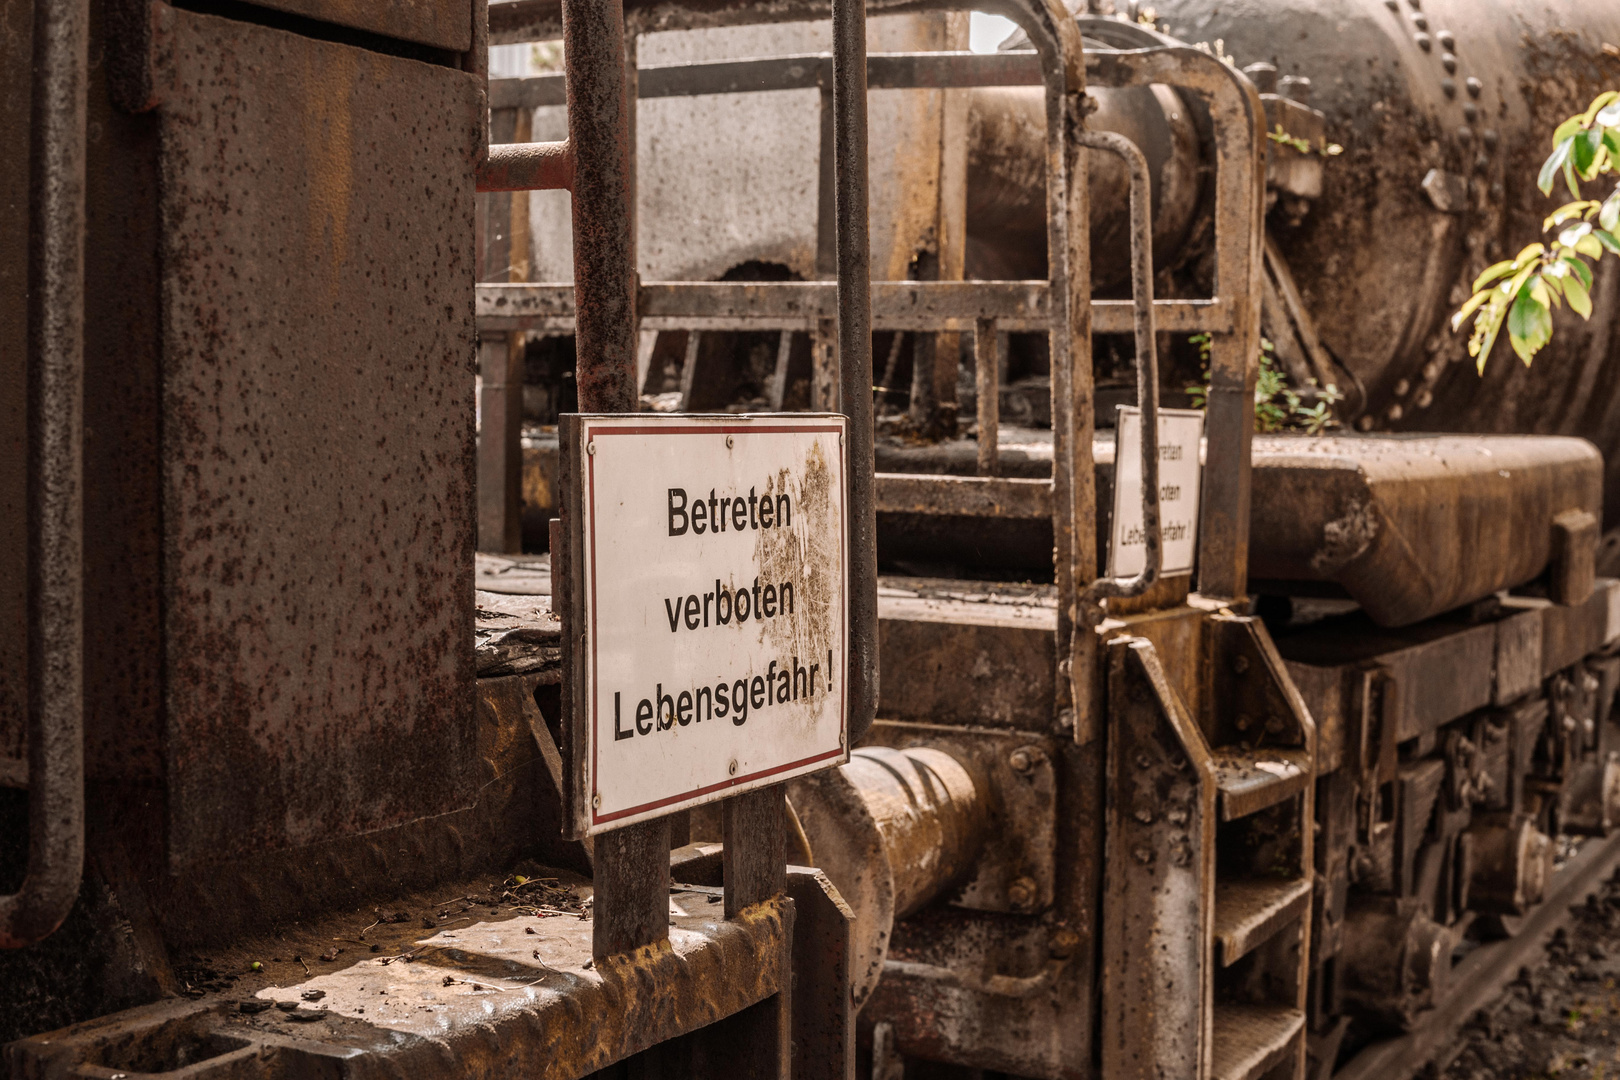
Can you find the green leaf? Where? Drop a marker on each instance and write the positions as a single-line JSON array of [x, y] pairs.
[[1468, 309], [1554, 162], [1570, 179], [1590, 246], [1580, 271], [1567, 128], [1611, 139], [1607, 239], [1584, 149], [1486, 329], [1579, 301], [1544, 291], [1529, 327], [1492, 273]]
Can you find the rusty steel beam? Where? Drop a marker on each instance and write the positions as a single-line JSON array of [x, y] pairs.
[[798, 71], [854, 261], [797, 305], [604, 205], [964, 496], [55, 476]]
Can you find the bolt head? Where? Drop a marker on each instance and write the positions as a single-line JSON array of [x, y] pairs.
[[1021, 893], [1021, 760]]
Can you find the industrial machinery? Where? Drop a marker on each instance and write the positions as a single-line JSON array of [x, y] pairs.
[[1248, 816]]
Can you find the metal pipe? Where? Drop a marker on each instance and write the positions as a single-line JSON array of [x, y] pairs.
[[540, 166], [1147, 374], [893, 830], [604, 205], [55, 476], [854, 250]]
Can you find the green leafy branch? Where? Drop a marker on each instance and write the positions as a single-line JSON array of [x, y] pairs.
[[1521, 292], [1277, 406], [1323, 147]]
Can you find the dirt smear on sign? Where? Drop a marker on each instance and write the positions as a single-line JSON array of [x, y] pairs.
[[805, 553]]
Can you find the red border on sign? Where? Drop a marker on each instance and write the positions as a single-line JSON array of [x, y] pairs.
[[588, 433]]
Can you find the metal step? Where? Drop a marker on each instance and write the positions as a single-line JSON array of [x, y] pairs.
[[1252, 1039], [1249, 912], [1252, 780]]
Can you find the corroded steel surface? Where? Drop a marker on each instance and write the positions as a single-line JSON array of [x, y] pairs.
[[505, 994], [55, 510], [317, 468], [1388, 518]]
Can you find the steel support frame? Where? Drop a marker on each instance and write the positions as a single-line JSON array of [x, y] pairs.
[[55, 440]]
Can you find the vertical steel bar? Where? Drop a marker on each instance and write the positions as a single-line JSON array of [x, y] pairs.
[[630, 898], [632, 864], [779, 377], [824, 367], [1234, 363], [599, 131], [987, 376], [826, 184], [694, 340], [500, 444], [754, 863], [55, 476], [855, 350]]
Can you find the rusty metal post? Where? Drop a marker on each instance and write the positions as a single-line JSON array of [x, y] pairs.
[[55, 476], [987, 377], [1157, 901], [1234, 362], [500, 444], [855, 351], [754, 863], [826, 183], [632, 863], [599, 133]]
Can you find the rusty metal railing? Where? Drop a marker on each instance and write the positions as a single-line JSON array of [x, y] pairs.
[[1147, 377], [1230, 315], [55, 476]]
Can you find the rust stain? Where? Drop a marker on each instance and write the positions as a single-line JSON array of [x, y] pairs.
[[805, 554], [328, 143]]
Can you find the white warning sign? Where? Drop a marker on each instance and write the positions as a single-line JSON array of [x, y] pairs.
[[714, 578], [1181, 433]]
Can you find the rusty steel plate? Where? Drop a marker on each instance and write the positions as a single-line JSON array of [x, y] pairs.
[[317, 259]]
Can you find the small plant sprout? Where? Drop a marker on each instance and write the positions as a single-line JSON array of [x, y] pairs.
[[1521, 292], [1277, 406]]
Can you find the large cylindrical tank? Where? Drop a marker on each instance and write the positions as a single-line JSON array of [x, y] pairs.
[[1469, 93]]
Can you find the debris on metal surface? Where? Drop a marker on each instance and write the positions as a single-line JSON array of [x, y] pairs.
[[1303, 809]]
